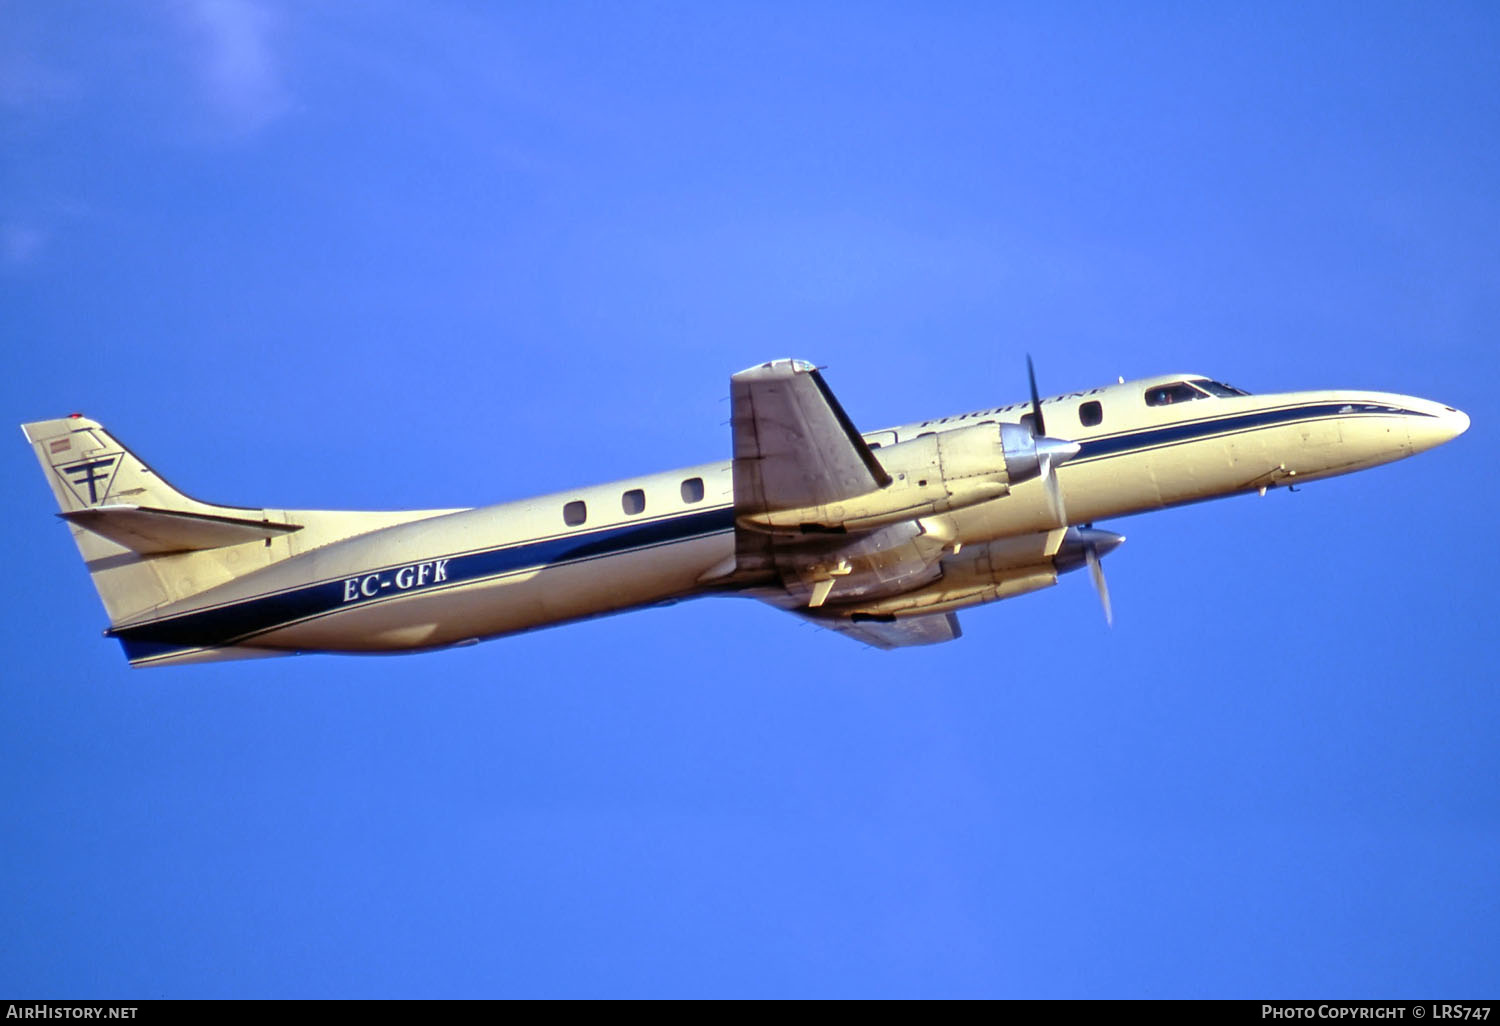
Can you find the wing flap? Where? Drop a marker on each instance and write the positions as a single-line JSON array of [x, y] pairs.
[[156, 532]]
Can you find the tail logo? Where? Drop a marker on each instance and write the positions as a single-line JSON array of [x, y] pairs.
[[91, 478]]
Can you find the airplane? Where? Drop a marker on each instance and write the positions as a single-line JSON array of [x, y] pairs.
[[883, 535]]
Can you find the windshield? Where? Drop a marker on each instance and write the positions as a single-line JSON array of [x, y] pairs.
[[1218, 388], [1177, 392]]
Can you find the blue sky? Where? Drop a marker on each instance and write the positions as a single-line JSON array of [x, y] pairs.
[[410, 255]]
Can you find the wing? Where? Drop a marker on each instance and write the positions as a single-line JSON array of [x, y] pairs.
[[795, 450], [900, 632], [794, 447], [793, 444]]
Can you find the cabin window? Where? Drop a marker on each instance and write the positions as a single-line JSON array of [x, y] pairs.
[[575, 513], [1177, 392], [633, 501], [1091, 414], [692, 490]]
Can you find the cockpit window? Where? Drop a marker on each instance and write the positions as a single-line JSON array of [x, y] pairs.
[[1218, 388], [1176, 392]]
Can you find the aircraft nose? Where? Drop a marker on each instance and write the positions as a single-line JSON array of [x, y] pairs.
[[1458, 421], [1442, 425]]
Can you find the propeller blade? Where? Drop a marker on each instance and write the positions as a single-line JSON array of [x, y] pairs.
[[1050, 451], [1096, 571], [1054, 495], [1036, 401]]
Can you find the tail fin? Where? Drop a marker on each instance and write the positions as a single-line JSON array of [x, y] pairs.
[[145, 543]]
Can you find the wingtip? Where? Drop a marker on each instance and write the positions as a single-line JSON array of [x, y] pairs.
[[772, 368]]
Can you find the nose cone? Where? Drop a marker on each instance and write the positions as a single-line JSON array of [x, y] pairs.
[[1441, 424]]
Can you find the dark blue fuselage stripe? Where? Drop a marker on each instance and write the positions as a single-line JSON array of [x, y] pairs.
[[235, 622], [1151, 438]]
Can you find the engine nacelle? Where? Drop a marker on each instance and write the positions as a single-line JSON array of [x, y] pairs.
[[996, 570], [933, 474]]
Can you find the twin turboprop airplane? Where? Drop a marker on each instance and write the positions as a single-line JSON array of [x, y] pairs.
[[881, 535]]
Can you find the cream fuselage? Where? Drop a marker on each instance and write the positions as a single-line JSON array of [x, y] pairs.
[[517, 566]]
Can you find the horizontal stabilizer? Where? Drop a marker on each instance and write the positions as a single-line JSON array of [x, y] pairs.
[[156, 532]]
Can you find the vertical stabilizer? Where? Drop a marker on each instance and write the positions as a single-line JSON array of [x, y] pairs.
[[143, 541], [147, 545]]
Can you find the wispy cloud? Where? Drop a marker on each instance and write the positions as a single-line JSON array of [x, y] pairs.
[[236, 59]]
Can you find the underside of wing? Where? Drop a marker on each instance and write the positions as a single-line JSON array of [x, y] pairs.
[[793, 444], [795, 449], [896, 632]]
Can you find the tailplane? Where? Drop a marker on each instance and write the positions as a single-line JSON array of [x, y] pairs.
[[144, 542], [147, 545]]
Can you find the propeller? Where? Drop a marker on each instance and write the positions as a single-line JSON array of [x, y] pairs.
[[1096, 571], [1088, 545], [1039, 425], [1048, 451]]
